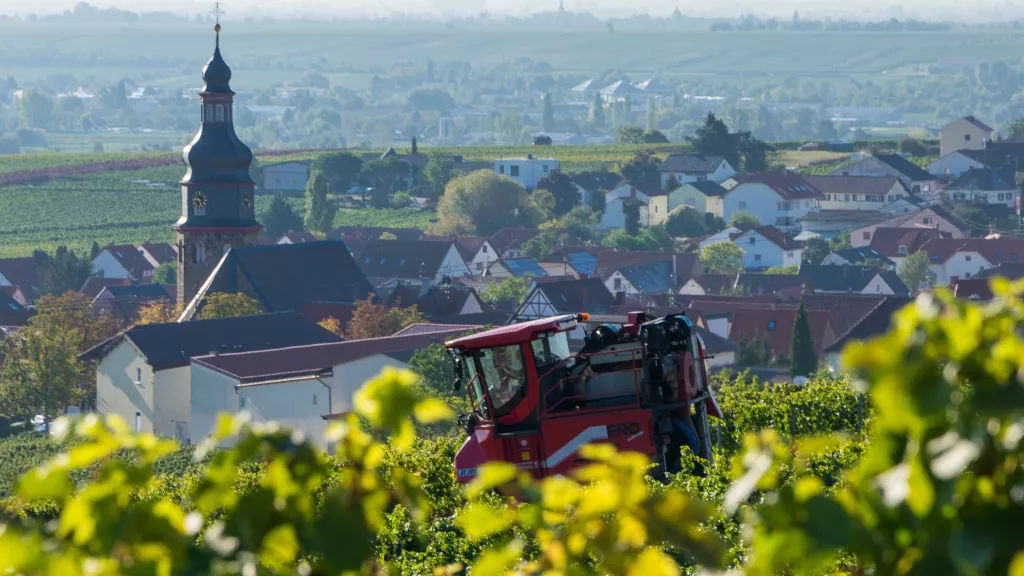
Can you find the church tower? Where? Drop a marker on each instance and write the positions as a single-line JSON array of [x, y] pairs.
[[217, 193]]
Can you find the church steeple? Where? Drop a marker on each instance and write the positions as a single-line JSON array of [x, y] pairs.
[[217, 193]]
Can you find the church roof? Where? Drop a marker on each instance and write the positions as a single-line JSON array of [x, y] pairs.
[[216, 73], [284, 277]]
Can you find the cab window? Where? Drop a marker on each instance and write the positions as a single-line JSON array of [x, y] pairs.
[[504, 375]]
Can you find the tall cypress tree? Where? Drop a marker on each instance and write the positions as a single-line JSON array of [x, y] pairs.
[[548, 119], [802, 358], [319, 211], [597, 111]]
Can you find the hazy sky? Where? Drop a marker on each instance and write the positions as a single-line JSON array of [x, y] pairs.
[[873, 9]]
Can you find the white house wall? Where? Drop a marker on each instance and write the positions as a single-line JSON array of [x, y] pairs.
[[211, 394], [171, 394], [350, 377], [294, 404], [453, 265], [953, 165], [692, 288], [877, 286], [472, 306], [962, 265], [106, 266], [484, 256], [720, 174], [763, 202], [116, 391], [291, 176]]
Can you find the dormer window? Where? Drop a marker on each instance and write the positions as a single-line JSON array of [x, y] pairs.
[[903, 249]]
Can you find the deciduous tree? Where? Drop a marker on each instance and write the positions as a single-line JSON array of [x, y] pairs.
[[563, 189], [509, 291], [225, 305], [159, 312], [63, 272], [340, 169], [548, 115], [438, 172], [279, 218], [744, 220], [916, 272], [370, 320], [166, 273], [320, 210], [483, 202], [722, 258]]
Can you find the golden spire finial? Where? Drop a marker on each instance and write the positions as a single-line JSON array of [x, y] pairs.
[[216, 14]]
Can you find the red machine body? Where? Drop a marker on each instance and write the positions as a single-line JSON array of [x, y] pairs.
[[642, 385]]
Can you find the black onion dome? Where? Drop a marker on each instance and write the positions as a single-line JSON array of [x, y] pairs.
[[216, 73]]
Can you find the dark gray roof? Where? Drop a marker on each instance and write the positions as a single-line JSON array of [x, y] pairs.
[[175, 343], [853, 184], [1011, 270], [136, 292], [402, 258], [691, 163], [594, 181], [285, 276], [848, 278], [650, 277], [912, 171], [985, 179], [855, 255], [876, 323], [709, 188], [589, 295]]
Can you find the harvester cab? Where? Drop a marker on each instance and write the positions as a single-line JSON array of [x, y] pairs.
[[642, 385]]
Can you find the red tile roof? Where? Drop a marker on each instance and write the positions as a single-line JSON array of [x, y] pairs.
[[162, 252], [94, 285], [22, 272], [995, 250], [130, 257], [261, 366], [789, 185], [778, 326], [887, 241], [773, 235]]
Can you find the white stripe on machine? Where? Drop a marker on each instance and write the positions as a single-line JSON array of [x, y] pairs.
[[570, 448]]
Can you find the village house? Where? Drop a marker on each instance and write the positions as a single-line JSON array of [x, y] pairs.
[[932, 217], [300, 387], [614, 202], [122, 261], [767, 247], [638, 280], [476, 251], [411, 262], [619, 92], [591, 184], [16, 295], [776, 326], [293, 237], [857, 192], [440, 301], [744, 284], [874, 324], [904, 205], [846, 279], [286, 177], [283, 277], [157, 253], [124, 302], [687, 168], [856, 256], [967, 133], [831, 223], [23, 273], [508, 242], [777, 198], [704, 196], [955, 163], [525, 171], [965, 259], [986, 186], [915, 178], [515, 267], [898, 243], [565, 297], [143, 376]]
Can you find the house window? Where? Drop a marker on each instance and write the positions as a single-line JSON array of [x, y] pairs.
[[241, 403], [967, 258], [479, 266], [967, 137], [544, 168], [743, 206], [618, 284], [751, 241], [220, 112], [789, 254], [484, 249], [927, 220], [1000, 195], [967, 274], [846, 198], [138, 375], [903, 249], [867, 236], [757, 257], [314, 399], [514, 171], [138, 421]]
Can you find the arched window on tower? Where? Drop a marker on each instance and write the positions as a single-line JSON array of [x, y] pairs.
[[220, 112], [209, 112], [202, 254]]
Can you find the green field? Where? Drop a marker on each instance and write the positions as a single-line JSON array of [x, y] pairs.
[[261, 53], [132, 206]]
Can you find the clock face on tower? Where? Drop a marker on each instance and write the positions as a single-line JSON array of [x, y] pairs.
[[199, 203]]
